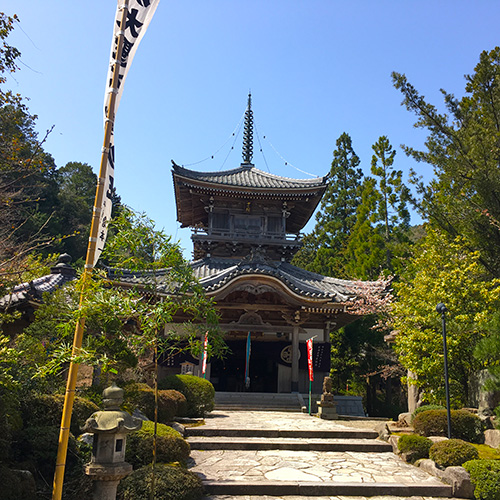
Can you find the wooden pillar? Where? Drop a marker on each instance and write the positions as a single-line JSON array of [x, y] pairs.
[[295, 358]]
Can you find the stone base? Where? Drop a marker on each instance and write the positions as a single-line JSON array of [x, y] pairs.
[[108, 472], [327, 412]]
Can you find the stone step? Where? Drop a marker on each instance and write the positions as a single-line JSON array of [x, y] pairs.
[[296, 444], [262, 401], [312, 489], [283, 433], [240, 407]]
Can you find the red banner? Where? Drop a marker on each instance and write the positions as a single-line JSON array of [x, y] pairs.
[[204, 364], [309, 344]]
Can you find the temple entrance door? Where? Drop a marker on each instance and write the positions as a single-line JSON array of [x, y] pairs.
[[228, 374]]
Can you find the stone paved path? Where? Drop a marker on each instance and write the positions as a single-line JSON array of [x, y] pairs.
[[294, 497], [311, 467]]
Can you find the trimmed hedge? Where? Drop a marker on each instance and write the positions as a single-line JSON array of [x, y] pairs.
[[39, 410], [421, 409], [170, 445], [485, 476], [452, 452], [142, 396], [171, 483], [464, 425], [199, 393], [416, 447]]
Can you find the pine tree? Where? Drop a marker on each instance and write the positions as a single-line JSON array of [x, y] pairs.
[[463, 148], [324, 248], [366, 249]]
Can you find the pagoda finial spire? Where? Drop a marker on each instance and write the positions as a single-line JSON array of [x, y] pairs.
[[248, 133]]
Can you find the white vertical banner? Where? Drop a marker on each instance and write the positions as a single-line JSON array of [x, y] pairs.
[[139, 15], [205, 355]]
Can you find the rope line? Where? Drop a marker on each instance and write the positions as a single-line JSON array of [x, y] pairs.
[[234, 142], [260, 148], [233, 134], [285, 160]]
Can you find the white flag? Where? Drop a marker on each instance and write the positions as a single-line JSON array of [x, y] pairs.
[[139, 15]]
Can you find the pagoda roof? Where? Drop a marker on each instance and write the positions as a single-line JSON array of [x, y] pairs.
[[247, 176], [246, 182]]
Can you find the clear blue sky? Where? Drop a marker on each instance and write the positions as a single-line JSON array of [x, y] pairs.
[[315, 69]]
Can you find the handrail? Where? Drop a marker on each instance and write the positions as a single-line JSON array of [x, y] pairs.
[[221, 233]]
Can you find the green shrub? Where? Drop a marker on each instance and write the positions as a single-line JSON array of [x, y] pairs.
[[199, 393], [421, 409], [416, 447], [170, 445], [452, 452], [171, 483], [141, 396], [13, 487], [46, 410], [485, 476], [36, 450], [464, 425]]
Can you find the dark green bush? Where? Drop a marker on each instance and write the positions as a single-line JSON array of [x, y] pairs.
[[141, 396], [171, 483], [40, 410], [170, 445], [199, 393], [452, 452], [416, 447], [13, 487], [464, 425], [485, 476], [36, 450], [421, 409]]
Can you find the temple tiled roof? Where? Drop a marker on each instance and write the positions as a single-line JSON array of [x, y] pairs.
[[33, 290], [215, 273], [247, 176]]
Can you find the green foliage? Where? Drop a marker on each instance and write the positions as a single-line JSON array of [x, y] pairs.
[[487, 351], [423, 408], [487, 452], [77, 187], [462, 147], [366, 254], [415, 446], [485, 476], [15, 487], [452, 452], [170, 445], [36, 450], [442, 270], [46, 410], [171, 483], [464, 425], [354, 353], [141, 396], [323, 250], [199, 393]]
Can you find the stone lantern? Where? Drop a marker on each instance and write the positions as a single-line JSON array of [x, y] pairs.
[[110, 428]]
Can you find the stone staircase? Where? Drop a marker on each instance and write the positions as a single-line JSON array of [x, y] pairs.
[[262, 401], [280, 453]]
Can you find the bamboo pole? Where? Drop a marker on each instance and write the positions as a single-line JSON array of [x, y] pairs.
[[89, 264]]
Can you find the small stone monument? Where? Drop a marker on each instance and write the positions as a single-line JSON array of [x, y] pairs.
[[110, 428], [327, 407]]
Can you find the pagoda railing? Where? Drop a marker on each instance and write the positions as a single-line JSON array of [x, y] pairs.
[[235, 235]]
